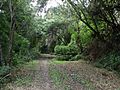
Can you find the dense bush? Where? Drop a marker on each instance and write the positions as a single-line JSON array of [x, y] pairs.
[[21, 50], [4, 70], [77, 57], [66, 52], [85, 35], [34, 53], [21, 43], [61, 49], [110, 61], [4, 75], [64, 57]]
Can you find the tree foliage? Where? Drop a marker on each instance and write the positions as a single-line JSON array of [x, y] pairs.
[[102, 17]]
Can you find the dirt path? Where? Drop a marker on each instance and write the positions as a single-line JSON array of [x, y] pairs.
[[79, 75], [45, 74], [34, 78], [47, 85]]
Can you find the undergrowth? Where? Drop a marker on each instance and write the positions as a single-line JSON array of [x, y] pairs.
[[16, 75], [63, 78], [110, 61]]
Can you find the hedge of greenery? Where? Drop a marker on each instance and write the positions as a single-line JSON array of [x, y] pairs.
[[111, 61], [66, 52]]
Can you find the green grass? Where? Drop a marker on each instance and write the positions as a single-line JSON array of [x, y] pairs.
[[18, 80], [86, 83], [58, 77], [23, 81], [31, 64], [26, 79], [54, 61]]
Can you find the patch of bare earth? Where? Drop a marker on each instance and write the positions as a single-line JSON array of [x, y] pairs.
[[39, 77], [75, 75], [83, 76]]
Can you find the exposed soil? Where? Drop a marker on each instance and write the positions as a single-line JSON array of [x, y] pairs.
[[76, 75], [79, 75]]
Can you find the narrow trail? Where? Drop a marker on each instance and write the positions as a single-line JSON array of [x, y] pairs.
[[72, 75], [47, 85], [39, 74]]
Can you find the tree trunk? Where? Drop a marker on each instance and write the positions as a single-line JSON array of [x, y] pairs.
[[1, 55], [78, 41], [11, 35]]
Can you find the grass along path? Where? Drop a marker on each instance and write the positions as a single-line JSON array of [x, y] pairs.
[[46, 74], [79, 75], [35, 76]]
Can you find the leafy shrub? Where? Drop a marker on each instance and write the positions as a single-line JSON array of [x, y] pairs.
[[21, 50], [110, 61], [35, 53], [73, 49], [65, 52], [85, 35], [20, 59], [21, 44], [4, 70], [76, 57], [64, 57], [62, 50]]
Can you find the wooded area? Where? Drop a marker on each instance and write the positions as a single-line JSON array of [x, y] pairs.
[[73, 30]]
